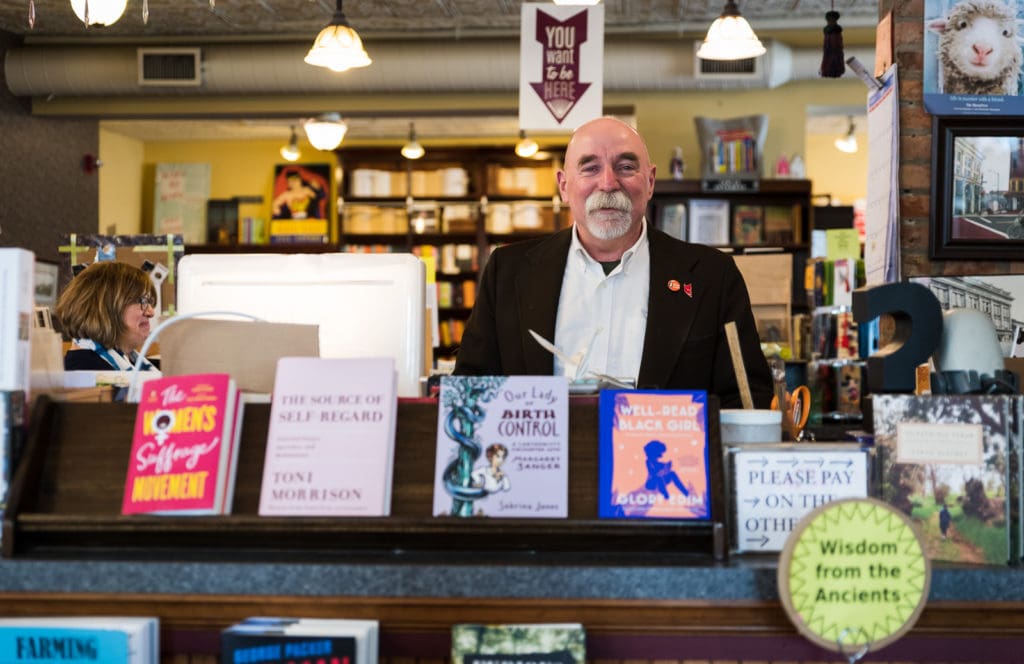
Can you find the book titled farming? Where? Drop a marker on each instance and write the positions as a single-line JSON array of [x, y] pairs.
[[502, 447], [55, 640], [653, 455], [184, 449]]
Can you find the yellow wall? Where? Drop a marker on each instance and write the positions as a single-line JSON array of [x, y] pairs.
[[837, 174], [120, 180], [237, 168], [666, 119]]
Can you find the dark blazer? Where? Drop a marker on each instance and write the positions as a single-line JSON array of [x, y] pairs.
[[685, 345]]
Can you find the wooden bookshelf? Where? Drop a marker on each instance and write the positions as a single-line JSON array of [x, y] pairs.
[[66, 496]]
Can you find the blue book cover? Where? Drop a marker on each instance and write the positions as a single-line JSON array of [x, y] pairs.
[[653, 455], [58, 645]]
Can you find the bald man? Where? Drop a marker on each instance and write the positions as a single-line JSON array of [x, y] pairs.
[[640, 305]]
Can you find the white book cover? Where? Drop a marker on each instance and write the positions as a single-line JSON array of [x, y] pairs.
[[502, 447], [709, 221], [17, 302], [331, 439]]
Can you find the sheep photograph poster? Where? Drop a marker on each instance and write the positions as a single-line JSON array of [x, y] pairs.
[[972, 57]]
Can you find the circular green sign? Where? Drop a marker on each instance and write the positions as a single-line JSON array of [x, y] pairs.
[[853, 575]]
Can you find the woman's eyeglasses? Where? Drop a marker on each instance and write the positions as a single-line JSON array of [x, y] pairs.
[[146, 301]]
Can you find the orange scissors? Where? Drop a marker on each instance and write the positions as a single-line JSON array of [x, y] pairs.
[[797, 409]]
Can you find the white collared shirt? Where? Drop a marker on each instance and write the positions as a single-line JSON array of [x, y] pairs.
[[604, 317]]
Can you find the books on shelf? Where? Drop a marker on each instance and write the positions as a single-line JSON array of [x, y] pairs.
[[293, 231], [782, 224], [519, 643], [61, 639], [708, 221], [945, 461], [502, 447], [184, 453], [748, 224], [653, 455], [273, 640], [331, 438], [17, 301], [672, 220]]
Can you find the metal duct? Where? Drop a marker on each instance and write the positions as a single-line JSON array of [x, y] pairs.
[[412, 66]]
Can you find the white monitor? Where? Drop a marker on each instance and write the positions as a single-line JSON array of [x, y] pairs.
[[367, 305]]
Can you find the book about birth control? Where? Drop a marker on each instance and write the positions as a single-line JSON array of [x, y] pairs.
[[331, 439], [61, 639], [527, 643], [273, 640], [945, 461], [502, 447], [185, 447], [653, 455]]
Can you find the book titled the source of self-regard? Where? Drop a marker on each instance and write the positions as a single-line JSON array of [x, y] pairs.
[[274, 640], [502, 447], [61, 639], [331, 439], [653, 455], [184, 453]]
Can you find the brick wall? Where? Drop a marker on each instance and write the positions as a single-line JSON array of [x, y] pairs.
[[44, 192], [915, 169]]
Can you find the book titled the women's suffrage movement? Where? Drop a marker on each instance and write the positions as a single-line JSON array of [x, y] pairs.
[[653, 456], [502, 447]]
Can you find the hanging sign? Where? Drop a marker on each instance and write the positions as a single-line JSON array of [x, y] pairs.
[[561, 65], [853, 576]]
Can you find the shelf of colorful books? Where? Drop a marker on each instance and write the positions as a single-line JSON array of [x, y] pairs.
[[65, 500]]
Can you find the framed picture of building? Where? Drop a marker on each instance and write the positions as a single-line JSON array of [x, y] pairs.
[[977, 209]]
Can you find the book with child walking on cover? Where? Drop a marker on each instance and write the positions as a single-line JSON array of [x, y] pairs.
[[653, 455]]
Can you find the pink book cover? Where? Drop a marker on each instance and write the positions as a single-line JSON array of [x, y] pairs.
[[331, 439], [653, 455], [186, 431]]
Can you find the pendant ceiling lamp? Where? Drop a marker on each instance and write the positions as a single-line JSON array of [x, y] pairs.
[[338, 47], [730, 37], [98, 12], [325, 132], [848, 142], [526, 147], [412, 149], [291, 152]]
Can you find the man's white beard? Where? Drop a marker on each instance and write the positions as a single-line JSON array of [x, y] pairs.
[[606, 224]]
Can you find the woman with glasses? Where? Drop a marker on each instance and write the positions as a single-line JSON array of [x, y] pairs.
[[106, 310]]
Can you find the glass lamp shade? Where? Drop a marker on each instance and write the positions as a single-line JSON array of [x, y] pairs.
[[290, 152], [730, 37], [339, 48], [101, 12], [847, 144], [412, 150], [325, 132], [526, 147]]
